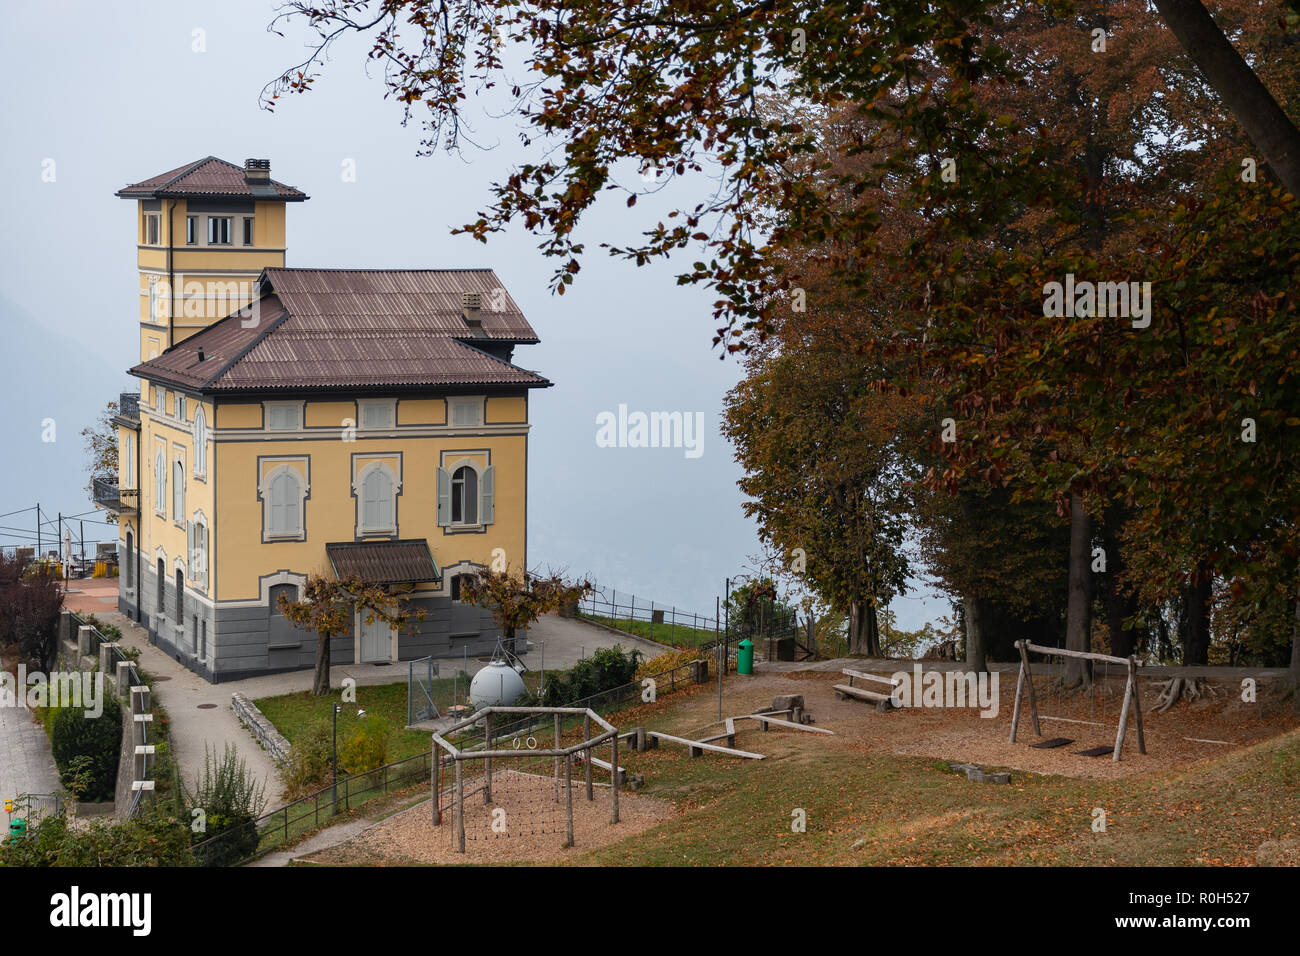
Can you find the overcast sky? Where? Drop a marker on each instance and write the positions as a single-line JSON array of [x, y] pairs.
[[115, 93]]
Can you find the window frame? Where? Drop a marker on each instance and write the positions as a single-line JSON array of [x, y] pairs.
[[199, 433], [365, 404], [477, 403], [152, 229], [300, 468], [269, 408], [191, 230], [178, 487], [364, 474], [249, 234], [465, 498], [214, 230], [160, 467]]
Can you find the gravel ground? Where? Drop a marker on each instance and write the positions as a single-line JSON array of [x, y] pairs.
[[534, 826]]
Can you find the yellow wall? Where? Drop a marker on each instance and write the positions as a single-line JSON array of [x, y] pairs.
[[506, 409], [202, 274], [330, 512], [155, 532], [422, 411]]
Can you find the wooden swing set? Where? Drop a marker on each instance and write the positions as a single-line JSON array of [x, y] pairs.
[[1132, 698]]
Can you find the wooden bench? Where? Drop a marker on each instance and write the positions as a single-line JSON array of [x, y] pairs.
[[884, 702]]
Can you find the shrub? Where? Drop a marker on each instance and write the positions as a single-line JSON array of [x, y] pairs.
[[30, 602], [666, 662], [231, 801], [308, 767], [159, 838], [366, 745], [606, 669], [73, 734]]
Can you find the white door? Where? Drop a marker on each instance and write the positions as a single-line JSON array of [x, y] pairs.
[[376, 640]]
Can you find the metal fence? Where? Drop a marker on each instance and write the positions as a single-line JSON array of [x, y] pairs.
[[663, 622], [420, 703]]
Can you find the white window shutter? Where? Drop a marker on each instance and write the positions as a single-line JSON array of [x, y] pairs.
[[444, 497], [487, 509], [205, 553], [189, 550]]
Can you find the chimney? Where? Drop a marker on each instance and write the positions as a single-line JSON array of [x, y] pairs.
[[200, 353], [471, 305], [257, 170]]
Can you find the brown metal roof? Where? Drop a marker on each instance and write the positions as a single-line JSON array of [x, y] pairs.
[[408, 561], [334, 329], [207, 177]]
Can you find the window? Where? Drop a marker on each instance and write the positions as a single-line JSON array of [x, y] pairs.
[[152, 228], [248, 230], [200, 432], [160, 483], [191, 230], [455, 588], [180, 596], [464, 496], [283, 495], [282, 417], [198, 540], [127, 479], [179, 402], [377, 500], [162, 588], [178, 490], [130, 560], [218, 230], [467, 412], [376, 414], [153, 298]]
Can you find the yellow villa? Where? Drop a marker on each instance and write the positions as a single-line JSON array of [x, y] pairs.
[[296, 422]]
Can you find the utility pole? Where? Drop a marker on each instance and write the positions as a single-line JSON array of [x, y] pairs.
[[38, 530]]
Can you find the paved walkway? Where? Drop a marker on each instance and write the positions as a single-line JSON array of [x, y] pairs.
[[26, 765], [555, 642]]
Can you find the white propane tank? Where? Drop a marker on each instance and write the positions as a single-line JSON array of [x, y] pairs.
[[496, 685]]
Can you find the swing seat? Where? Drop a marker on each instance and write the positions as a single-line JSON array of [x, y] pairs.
[[1096, 752], [1053, 743]]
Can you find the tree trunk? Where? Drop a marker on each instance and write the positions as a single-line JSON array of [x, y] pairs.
[[1078, 619], [321, 686], [1268, 127], [873, 631], [976, 644], [1294, 671], [1196, 638]]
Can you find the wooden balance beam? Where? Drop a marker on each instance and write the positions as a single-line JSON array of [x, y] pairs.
[[697, 747]]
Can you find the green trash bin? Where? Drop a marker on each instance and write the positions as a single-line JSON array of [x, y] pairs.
[[745, 657], [17, 829]]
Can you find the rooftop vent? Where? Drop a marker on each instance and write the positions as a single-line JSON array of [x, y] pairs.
[[257, 170], [471, 306]]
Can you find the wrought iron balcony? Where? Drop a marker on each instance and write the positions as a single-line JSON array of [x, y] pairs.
[[122, 501], [128, 407]]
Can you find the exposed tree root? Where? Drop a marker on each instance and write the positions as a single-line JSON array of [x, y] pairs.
[[1178, 688]]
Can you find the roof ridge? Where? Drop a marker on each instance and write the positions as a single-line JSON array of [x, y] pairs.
[[185, 172], [375, 269]]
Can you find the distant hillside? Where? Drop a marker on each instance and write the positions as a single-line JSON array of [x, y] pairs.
[[48, 375]]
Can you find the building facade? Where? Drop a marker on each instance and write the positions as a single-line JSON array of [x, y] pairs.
[[299, 422]]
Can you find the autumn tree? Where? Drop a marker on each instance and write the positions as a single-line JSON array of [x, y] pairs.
[[100, 441], [517, 599], [328, 607]]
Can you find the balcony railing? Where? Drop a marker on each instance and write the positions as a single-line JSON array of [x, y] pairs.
[[128, 406], [122, 501]]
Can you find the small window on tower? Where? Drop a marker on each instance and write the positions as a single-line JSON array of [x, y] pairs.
[[248, 230], [191, 230], [218, 230], [152, 223]]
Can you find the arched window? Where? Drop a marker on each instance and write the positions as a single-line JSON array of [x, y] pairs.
[[162, 588], [178, 491], [130, 560], [464, 495], [160, 483], [377, 500], [286, 499], [200, 442]]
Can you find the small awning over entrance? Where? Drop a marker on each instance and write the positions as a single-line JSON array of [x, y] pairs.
[[384, 562]]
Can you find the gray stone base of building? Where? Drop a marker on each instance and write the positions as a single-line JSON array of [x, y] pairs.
[[231, 643]]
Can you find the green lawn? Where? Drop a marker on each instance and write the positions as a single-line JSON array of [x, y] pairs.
[[674, 635]]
